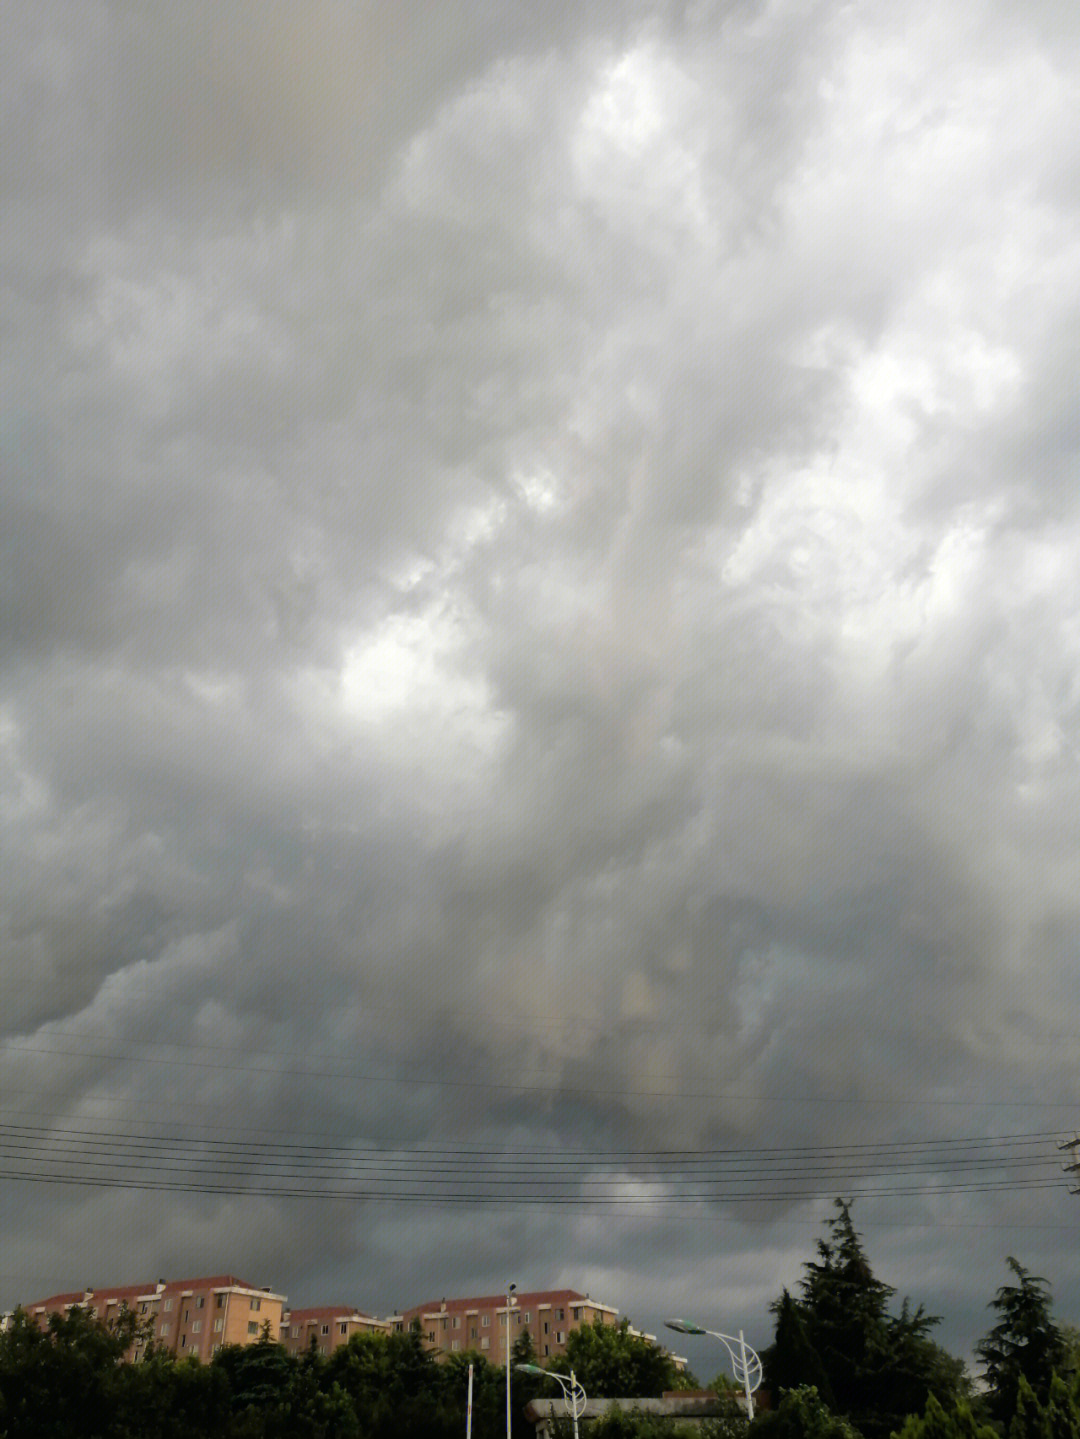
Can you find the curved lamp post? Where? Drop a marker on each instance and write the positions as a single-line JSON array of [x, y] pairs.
[[572, 1391], [745, 1362]]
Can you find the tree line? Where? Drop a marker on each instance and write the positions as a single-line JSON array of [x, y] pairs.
[[845, 1363], [70, 1380]]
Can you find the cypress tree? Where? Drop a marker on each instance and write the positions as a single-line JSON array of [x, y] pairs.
[[1024, 1345]]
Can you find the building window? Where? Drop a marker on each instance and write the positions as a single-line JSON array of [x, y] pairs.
[[457, 1321], [456, 1345], [486, 1321], [485, 1343], [167, 1305], [547, 1327], [187, 1313], [217, 1325], [164, 1331], [196, 1326], [255, 1304], [343, 1329], [559, 1314], [143, 1307], [528, 1317], [253, 1328], [472, 1332], [560, 1337], [219, 1299], [296, 1331], [326, 1329], [200, 1302]]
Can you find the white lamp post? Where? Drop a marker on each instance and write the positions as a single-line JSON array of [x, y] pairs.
[[510, 1290], [745, 1362], [573, 1393]]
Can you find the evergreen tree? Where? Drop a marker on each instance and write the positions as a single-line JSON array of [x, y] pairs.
[[840, 1337], [792, 1360], [1024, 1345], [1025, 1418], [939, 1423]]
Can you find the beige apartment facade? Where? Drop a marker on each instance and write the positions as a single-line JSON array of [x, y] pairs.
[[192, 1318], [327, 1327], [450, 1326]]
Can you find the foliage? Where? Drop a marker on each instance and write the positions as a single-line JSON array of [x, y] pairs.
[[732, 1424], [619, 1423], [524, 1350], [939, 1423], [612, 1362], [793, 1361], [1025, 1344], [801, 1414], [62, 1379], [1070, 1335], [840, 1339], [1057, 1417]]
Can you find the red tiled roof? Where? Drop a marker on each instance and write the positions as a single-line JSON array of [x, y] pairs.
[[210, 1281], [57, 1301], [99, 1298], [498, 1301], [132, 1292]]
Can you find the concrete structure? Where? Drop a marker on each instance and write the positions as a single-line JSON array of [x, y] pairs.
[[328, 1326], [688, 1407], [190, 1317], [450, 1326]]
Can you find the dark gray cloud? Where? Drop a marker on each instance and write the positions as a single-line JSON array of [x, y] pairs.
[[538, 578]]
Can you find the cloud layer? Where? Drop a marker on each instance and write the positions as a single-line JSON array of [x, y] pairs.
[[538, 605]]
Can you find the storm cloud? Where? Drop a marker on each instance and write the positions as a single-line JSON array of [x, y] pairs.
[[539, 577]]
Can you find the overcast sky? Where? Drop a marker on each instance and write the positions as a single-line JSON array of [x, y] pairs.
[[539, 576]]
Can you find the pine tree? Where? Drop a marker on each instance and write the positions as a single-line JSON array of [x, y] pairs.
[[840, 1337], [1024, 1345], [1061, 1415], [940, 1423], [792, 1361]]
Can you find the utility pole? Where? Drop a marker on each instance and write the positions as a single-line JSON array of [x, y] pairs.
[[1073, 1168]]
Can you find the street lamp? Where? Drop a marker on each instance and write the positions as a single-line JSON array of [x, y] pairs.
[[573, 1392], [745, 1362], [511, 1289]]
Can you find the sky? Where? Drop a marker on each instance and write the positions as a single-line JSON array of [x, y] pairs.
[[540, 648]]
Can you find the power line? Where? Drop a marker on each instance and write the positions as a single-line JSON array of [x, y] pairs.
[[964, 1144], [112, 1158], [475, 1198]]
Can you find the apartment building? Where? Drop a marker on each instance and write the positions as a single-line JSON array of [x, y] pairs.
[[105, 1304], [327, 1326], [450, 1326], [191, 1317]]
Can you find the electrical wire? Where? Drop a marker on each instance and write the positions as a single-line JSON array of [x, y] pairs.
[[113, 1158]]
